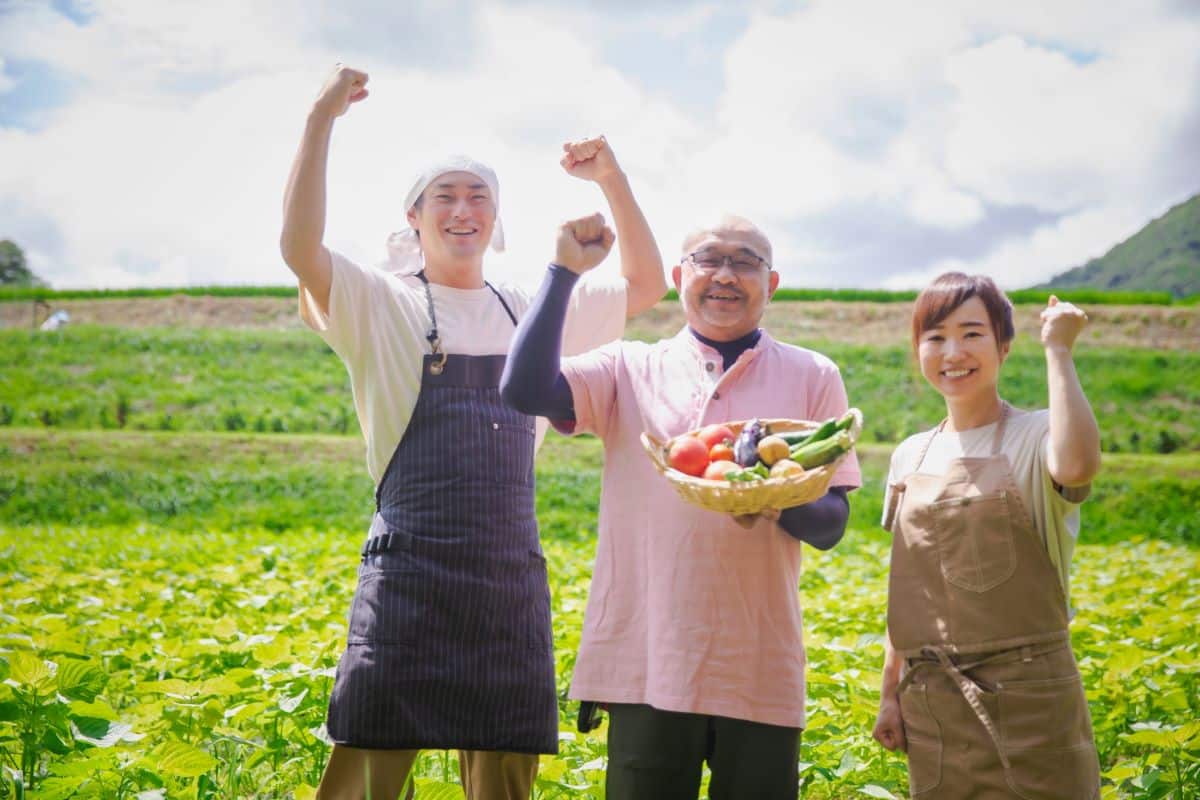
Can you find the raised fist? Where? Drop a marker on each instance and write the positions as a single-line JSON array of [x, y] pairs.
[[590, 160], [1061, 323], [583, 243], [343, 87]]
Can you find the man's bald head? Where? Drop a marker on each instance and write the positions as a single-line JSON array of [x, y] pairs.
[[730, 226]]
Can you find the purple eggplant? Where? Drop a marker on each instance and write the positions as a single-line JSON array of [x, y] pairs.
[[745, 449]]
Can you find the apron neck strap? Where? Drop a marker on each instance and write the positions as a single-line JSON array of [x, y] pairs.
[[997, 438], [1001, 424]]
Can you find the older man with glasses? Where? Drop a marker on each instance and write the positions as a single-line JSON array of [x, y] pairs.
[[692, 635]]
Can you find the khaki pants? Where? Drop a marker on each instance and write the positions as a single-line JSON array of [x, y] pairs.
[[356, 774]]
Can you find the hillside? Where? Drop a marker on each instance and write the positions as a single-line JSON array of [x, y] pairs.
[[1164, 255]]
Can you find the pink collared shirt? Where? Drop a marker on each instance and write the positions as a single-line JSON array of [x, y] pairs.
[[688, 611]]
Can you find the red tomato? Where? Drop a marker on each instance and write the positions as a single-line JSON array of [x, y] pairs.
[[721, 452], [688, 455], [716, 471], [713, 435]]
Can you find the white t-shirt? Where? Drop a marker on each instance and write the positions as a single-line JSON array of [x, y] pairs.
[[1055, 512], [377, 324]]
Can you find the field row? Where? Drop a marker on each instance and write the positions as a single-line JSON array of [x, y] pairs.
[[229, 482], [289, 382], [174, 606]]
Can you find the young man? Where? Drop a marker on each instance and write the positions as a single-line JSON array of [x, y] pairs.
[[692, 635], [449, 641]]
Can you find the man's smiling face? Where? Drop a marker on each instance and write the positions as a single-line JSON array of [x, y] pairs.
[[724, 279], [454, 218]]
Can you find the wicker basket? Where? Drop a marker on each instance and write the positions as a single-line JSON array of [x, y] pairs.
[[751, 497]]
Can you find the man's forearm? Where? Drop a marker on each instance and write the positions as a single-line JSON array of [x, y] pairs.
[[532, 382], [821, 523], [304, 207], [641, 262]]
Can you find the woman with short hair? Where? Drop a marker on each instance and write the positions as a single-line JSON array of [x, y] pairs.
[[980, 686]]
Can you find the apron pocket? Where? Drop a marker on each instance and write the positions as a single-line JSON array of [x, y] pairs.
[[538, 633], [923, 734], [975, 540], [1047, 735], [507, 455], [385, 610]]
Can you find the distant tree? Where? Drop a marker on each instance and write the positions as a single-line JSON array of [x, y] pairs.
[[13, 270]]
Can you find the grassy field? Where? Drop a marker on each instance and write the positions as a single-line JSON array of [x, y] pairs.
[[288, 382], [181, 510], [175, 604]]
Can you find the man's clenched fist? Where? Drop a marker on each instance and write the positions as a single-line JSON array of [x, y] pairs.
[[343, 87], [583, 243], [590, 159]]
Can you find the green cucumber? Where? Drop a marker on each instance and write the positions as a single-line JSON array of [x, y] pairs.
[[822, 452], [799, 439]]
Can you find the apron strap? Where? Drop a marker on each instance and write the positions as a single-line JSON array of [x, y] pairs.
[[435, 343], [939, 657], [928, 442], [970, 692], [998, 439], [499, 297]]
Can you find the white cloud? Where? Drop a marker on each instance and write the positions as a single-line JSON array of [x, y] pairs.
[[6, 80], [1036, 258], [168, 163]]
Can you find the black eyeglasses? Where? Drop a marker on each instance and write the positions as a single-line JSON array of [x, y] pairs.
[[742, 263]]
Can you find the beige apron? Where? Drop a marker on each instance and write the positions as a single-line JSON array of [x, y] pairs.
[[992, 701]]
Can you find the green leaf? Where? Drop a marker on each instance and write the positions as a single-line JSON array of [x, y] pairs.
[[181, 760], [1163, 738], [99, 732], [871, 790], [56, 741], [97, 710], [57, 788], [437, 790], [30, 671], [80, 680], [289, 704]]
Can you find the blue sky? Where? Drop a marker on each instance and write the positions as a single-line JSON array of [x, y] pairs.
[[878, 144]]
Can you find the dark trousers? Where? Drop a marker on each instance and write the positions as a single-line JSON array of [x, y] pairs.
[[658, 755]]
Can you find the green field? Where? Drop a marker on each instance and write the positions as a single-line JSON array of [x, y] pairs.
[[94, 377], [191, 592], [181, 512]]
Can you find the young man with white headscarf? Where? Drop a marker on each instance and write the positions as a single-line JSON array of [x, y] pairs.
[[449, 642]]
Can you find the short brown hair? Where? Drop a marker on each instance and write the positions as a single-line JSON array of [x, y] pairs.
[[949, 291]]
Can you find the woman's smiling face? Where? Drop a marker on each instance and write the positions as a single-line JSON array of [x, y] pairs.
[[960, 356]]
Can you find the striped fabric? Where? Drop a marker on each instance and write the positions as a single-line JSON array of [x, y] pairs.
[[450, 642]]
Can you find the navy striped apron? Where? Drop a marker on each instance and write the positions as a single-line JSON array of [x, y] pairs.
[[450, 644]]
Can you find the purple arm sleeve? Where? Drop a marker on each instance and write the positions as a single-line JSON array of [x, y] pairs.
[[821, 523], [532, 382]]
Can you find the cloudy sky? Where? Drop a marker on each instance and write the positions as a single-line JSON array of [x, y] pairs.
[[878, 143]]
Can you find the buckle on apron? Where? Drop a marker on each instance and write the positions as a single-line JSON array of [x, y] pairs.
[[385, 543]]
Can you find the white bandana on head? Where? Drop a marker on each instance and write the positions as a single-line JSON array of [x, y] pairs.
[[404, 247]]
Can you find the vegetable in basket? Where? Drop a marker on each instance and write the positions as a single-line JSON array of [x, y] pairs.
[[745, 450]]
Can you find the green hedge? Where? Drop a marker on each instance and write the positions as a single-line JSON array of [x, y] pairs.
[[1038, 296], [1091, 297]]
